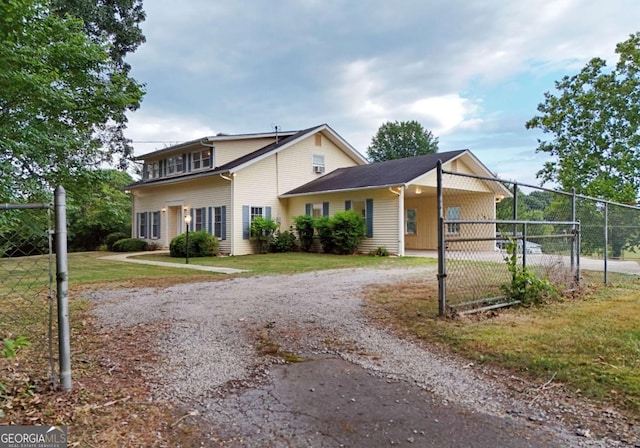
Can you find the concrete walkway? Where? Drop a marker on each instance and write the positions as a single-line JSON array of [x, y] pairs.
[[126, 257]]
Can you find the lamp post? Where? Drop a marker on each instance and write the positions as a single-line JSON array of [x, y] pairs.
[[187, 221]]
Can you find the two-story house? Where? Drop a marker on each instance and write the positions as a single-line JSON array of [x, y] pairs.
[[222, 182]]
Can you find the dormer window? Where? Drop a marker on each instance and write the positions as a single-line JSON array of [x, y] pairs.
[[201, 159], [174, 165], [155, 170]]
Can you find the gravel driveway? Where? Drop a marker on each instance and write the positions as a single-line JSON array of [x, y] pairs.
[[361, 386]]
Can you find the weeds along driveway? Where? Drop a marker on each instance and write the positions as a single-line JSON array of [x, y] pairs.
[[360, 383]]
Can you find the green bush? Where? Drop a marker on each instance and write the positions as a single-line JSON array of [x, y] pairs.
[[262, 233], [381, 251], [111, 239], [526, 286], [324, 229], [201, 244], [341, 234], [130, 245], [284, 242], [305, 228]]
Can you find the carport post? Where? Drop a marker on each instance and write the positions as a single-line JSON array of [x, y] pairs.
[[442, 268]]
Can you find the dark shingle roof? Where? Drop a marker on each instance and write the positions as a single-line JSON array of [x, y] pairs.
[[264, 150], [391, 172]]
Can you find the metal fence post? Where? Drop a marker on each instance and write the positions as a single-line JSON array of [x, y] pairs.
[[572, 249], [606, 241], [442, 269], [62, 282]]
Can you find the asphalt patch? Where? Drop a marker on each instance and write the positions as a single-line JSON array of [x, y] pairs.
[[334, 403]]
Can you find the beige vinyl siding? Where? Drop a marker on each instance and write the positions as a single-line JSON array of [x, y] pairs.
[[207, 192], [426, 236], [231, 150], [255, 186], [473, 207], [295, 162], [385, 214]]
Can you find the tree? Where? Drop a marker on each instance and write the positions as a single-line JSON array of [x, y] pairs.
[[594, 121], [398, 140], [62, 100], [96, 207]]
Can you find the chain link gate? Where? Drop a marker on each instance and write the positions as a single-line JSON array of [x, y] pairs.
[[33, 288]]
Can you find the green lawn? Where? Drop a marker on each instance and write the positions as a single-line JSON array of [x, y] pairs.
[[591, 343], [294, 262]]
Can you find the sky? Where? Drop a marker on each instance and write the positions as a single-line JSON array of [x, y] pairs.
[[470, 71]]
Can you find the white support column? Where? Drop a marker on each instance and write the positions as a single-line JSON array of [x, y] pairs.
[[401, 222]]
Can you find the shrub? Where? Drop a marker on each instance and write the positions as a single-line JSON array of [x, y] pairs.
[[284, 242], [110, 239], [201, 244], [526, 286], [130, 245], [324, 228], [305, 226], [262, 230], [381, 251], [341, 234]]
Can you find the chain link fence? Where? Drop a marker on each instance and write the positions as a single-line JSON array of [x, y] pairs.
[[33, 302], [556, 234]]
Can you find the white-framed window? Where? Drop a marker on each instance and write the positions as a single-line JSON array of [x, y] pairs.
[[316, 210], [201, 159], [411, 221], [174, 165], [146, 171], [317, 162], [155, 170], [155, 225], [217, 222], [453, 213], [257, 211], [200, 219]]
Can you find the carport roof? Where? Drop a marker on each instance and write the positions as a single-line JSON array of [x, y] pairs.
[[379, 174]]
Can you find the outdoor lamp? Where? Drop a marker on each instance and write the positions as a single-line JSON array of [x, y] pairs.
[[187, 221]]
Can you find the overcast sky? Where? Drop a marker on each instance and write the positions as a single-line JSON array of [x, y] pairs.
[[471, 71]]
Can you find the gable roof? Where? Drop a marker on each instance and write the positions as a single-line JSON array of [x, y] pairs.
[[287, 139], [376, 175]]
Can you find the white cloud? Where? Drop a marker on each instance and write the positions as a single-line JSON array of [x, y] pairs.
[[448, 111], [157, 130]]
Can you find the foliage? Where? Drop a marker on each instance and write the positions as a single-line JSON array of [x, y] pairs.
[[284, 242], [96, 207], [114, 20], [398, 140], [63, 100], [201, 244], [130, 245], [594, 122], [262, 233], [380, 251], [305, 228], [11, 346], [525, 285], [112, 238], [341, 234]]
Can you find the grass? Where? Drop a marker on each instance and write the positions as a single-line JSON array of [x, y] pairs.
[[109, 403], [294, 262], [590, 343]]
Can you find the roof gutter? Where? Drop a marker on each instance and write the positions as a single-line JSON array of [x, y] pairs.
[[372, 187]]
